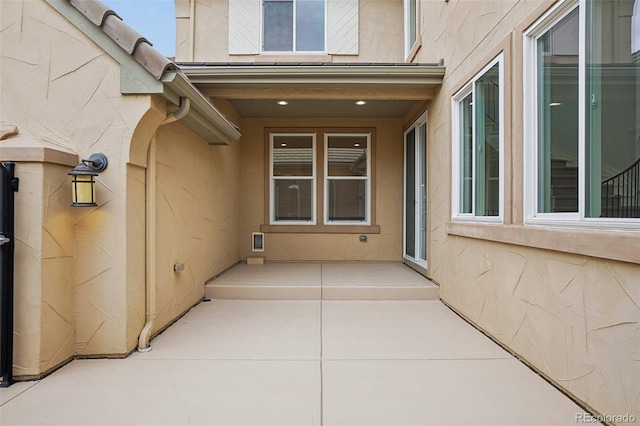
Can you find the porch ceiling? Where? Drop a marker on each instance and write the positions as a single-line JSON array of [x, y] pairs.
[[317, 89], [320, 108]]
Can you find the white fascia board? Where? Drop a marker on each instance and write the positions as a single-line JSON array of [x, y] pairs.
[[357, 75]]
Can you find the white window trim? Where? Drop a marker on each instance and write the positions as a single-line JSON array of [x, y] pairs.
[[367, 178], [455, 148], [408, 47], [272, 179], [294, 51], [530, 128], [424, 119], [552, 17]]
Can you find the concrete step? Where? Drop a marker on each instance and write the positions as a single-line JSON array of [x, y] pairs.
[[322, 281], [356, 292]]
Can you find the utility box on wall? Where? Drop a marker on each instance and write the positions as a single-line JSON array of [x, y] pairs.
[[257, 242]]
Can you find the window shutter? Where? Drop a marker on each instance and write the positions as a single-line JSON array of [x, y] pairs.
[[342, 27], [244, 27]]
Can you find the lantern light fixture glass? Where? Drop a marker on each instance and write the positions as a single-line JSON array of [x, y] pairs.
[[83, 185]]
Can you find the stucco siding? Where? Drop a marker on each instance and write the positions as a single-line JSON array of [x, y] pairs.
[[387, 245], [136, 254], [380, 35], [381, 32], [574, 317], [28, 269], [197, 220], [60, 88], [58, 249]]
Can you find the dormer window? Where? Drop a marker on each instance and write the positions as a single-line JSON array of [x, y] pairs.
[[293, 25]]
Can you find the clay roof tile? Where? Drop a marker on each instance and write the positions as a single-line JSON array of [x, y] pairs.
[[125, 36], [152, 61], [95, 11]]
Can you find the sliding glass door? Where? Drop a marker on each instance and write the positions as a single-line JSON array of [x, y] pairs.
[[415, 196]]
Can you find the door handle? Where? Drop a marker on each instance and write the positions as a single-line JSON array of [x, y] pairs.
[[4, 240]]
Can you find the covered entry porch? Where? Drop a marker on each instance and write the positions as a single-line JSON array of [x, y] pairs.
[[334, 156]]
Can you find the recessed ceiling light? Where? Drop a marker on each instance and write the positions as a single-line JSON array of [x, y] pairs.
[[283, 103], [360, 103], [552, 104]]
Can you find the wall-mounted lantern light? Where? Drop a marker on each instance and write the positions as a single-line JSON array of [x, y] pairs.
[[83, 185]]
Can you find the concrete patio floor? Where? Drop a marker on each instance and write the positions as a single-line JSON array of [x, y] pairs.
[[300, 362]]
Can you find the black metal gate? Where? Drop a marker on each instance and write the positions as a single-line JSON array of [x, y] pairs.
[[8, 185]]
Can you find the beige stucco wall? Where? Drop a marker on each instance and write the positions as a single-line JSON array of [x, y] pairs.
[[197, 221], [309, 246], [135, 266], [44, 320], [58, 86], [80, 272], [380, 34], [28, 269], [575, 318], [58, 250]]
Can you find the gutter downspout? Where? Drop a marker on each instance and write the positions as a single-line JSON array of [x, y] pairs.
[[179, 114], [150, 234]]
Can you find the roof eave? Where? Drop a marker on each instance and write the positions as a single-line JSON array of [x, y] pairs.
[[144, 72], [424, 76]]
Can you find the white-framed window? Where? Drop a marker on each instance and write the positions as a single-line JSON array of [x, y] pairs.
[[347, 186], [293, 178], [478, 147], [582, 116], [340, 30], [294, 25], [410, 26]]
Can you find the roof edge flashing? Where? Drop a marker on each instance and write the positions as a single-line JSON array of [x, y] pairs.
[[316, 75], [319, 70]]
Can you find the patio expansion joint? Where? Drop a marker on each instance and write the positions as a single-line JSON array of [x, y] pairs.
[[417, 359], [228, 359], [37, 382], [321, 353]]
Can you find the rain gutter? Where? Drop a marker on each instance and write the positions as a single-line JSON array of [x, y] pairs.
[[202, 118], [319, 75]]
